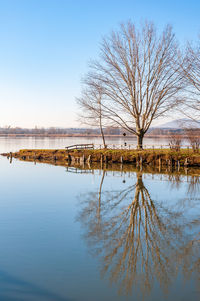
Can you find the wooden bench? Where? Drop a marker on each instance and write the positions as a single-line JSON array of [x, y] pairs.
[[80, 146], [78, 170]]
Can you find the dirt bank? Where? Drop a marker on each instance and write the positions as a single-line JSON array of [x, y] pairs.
[[156, 157]]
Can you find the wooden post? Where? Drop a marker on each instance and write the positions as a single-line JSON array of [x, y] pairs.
[[170, 163], [101, 160], [160, 162], [82, 160], [106, 162], [89, 159], [186, 163], [178, 165]]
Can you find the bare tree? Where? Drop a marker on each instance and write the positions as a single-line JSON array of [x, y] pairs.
[[175, 141], [91, 109], [138, 72], [193, 136], [194, 60], [191, 69]]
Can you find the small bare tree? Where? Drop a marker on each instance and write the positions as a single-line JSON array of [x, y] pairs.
[[138, 74], [175, 142], [91, 109], [193, 136]]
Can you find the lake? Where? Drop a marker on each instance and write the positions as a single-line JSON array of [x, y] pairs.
[[14, 144], [93, 235]]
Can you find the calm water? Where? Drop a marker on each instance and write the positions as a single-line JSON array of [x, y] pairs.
[[98, 235], [14, 144]]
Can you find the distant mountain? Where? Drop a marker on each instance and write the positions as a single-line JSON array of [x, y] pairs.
[[179, 124]]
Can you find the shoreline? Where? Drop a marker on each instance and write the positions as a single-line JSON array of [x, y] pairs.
[[86, 136], [148, 157]]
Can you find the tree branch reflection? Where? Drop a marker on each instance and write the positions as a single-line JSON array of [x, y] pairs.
[[138, 239]]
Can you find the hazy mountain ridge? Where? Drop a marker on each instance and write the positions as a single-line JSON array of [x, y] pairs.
[[180, 124]]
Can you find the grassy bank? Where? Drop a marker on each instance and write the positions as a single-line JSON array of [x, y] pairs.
[[151, 157]]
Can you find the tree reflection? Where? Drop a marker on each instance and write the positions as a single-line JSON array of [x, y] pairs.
[[194, 186], [193, 180], [138, 239]]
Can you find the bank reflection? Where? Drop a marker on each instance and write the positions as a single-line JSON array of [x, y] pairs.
[[140, 240]]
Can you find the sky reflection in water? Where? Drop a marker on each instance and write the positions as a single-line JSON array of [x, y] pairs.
[[97, 236]]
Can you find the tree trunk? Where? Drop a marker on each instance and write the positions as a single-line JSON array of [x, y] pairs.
[[102, 134], [140, 137], [100, 125], [100, 191]]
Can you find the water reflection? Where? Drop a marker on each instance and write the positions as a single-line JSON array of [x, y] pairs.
[[13, 289], [141, 240]]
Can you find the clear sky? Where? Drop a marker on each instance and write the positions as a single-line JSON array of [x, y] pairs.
[[45, 46]]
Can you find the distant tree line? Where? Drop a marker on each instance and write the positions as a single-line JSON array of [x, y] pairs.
[[57, 131], [45, 131], [108, 131]]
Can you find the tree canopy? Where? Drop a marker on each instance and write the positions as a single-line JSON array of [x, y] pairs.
[[138, 75]]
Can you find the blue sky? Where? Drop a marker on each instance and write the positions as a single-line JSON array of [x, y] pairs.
[[46, 46]]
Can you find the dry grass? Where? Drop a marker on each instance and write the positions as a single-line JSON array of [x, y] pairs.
[[149, 157]]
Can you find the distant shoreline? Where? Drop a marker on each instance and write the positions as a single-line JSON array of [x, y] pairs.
[[83, 136]]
